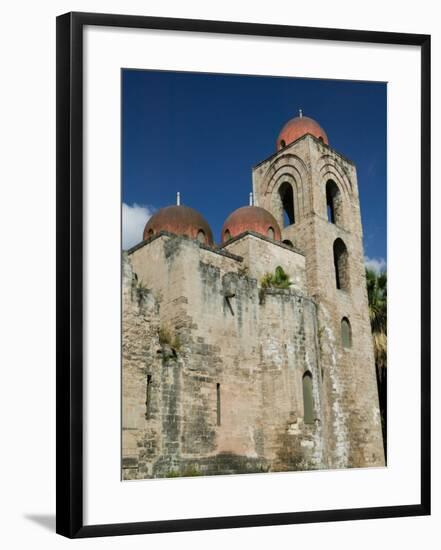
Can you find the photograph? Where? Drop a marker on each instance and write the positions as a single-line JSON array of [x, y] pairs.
[[253, 274], [228, 338]]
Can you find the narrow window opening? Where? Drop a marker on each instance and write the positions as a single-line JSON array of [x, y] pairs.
[[201, 236], [331, 215], [337, 273], [287, 201], [346, 333], [227, 235], [334, 203], [150, 233], [341, 265], [282, 143], [218, 405], [148, 397], [308, 403], [270, 232]]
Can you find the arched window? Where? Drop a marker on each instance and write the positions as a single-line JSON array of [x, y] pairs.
[[270, 232], [288, 243], [341, 265], [148, 397], [227, 235], [287, 199], [218, 404], [346, 333], [201, 236], [334, 203], [150, 233], [282, 143], [308, 403]]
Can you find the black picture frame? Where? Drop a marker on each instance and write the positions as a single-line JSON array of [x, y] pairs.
[[69, 294]]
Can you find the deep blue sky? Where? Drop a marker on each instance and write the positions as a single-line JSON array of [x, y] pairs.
[[201, 134]]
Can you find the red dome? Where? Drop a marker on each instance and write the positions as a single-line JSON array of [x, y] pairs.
[[180, 220], [298, 127], [251, 218]]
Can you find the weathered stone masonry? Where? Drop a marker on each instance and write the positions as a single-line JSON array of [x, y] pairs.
[[220, 329], [223, 376]]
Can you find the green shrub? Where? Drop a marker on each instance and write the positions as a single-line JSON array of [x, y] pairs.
[[278, 279]]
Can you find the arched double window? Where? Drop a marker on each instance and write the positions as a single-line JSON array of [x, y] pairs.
[[287, 201], [346, 333], [308, 402], [334, 203], [341, 264]]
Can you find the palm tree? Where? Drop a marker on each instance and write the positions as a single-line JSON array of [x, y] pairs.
[[377, 297]]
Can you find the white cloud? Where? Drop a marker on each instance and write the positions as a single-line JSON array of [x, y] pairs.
[[375, 264], [134, 219]]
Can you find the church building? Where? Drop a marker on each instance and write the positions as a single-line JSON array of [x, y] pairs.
[[255, 354]]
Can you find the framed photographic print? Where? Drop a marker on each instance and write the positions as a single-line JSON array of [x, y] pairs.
[[243, 288]]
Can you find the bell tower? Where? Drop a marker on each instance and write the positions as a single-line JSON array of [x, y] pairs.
[[312, 191]]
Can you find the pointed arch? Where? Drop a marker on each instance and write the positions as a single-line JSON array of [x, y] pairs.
[[341, 264], [286, 203], [346, 333], [308, 401], [330, 169], [334, 203], [292, 169]]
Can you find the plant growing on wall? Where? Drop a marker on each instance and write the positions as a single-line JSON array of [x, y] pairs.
[[167, 339], [278, 279]]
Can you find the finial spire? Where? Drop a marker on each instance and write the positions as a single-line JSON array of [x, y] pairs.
[[300, 113], [251, 199], [178, 198]]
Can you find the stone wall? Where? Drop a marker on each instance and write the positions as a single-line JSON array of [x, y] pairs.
[[353, 430], [261, 255], [140, 358], [214, 365], [218, 336]]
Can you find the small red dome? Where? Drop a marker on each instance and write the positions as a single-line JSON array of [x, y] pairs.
[[180, 220], [251, 218], [298, 127]]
